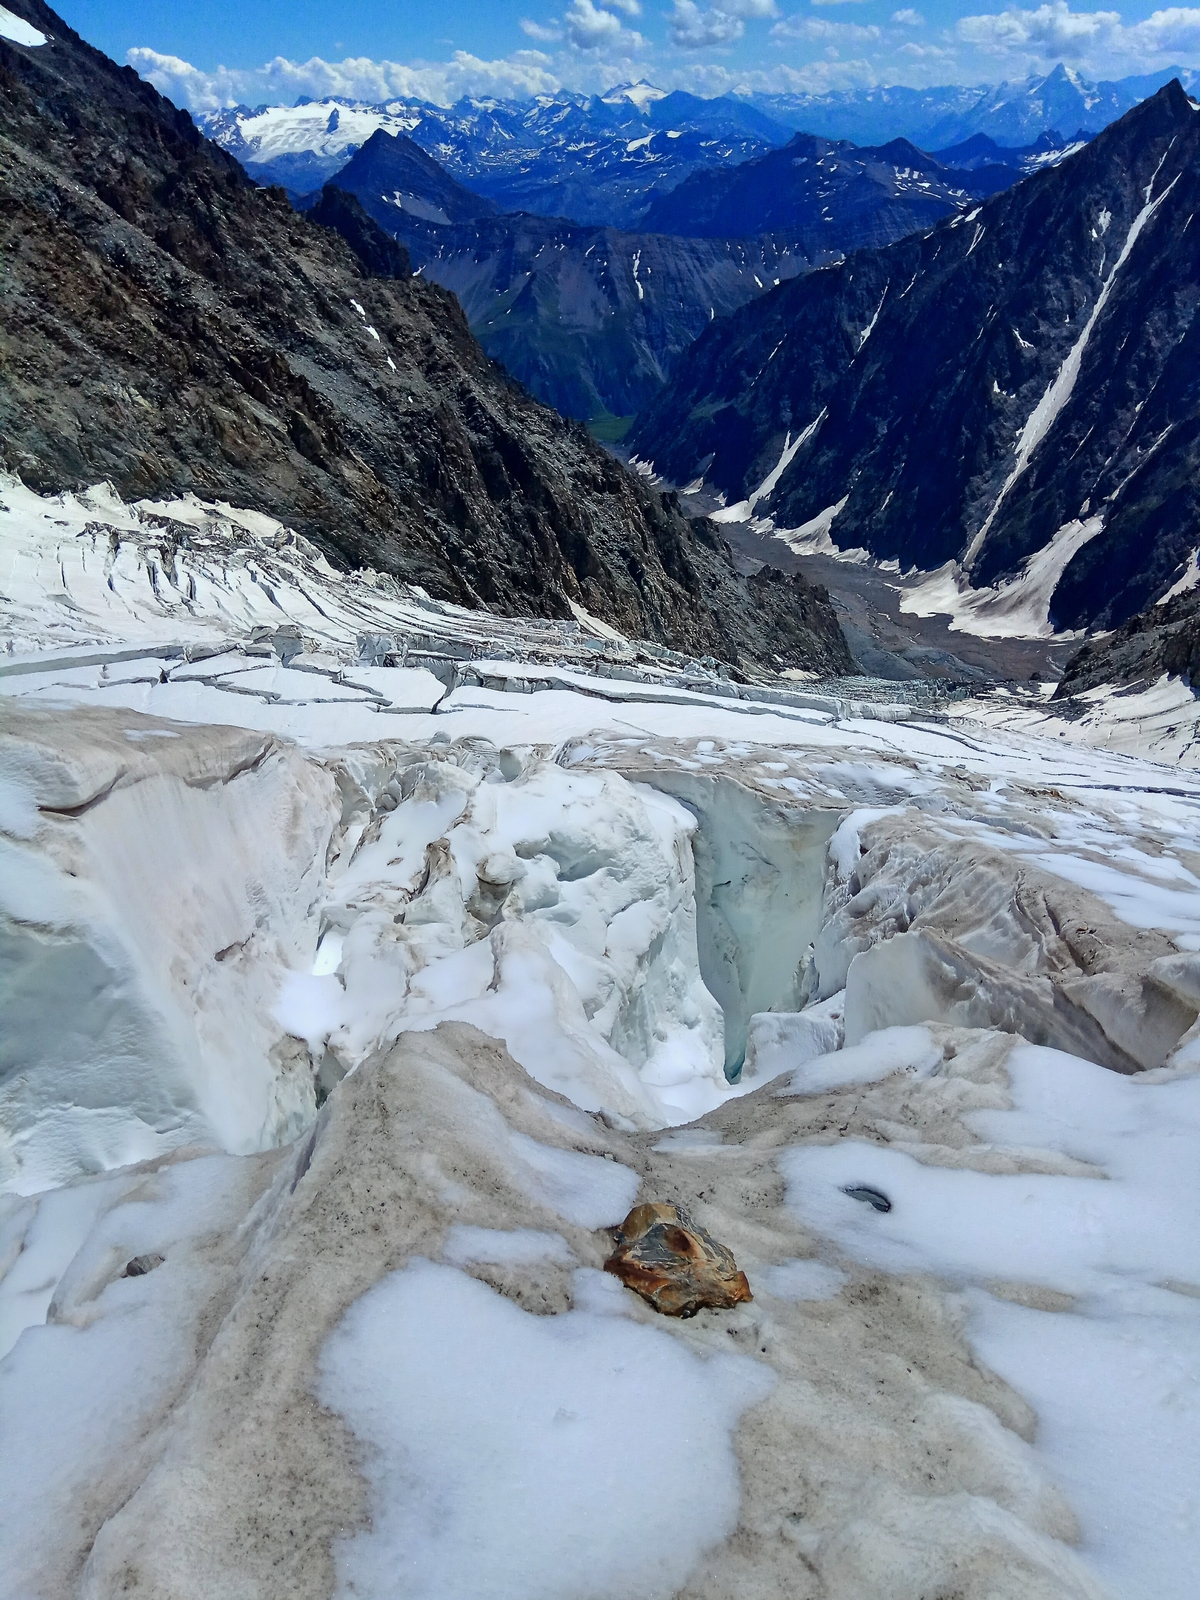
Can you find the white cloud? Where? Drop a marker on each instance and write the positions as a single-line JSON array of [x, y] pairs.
[[818, 31], [544, 32], [932, 53], [589, 28], [589, 47], [280, 82], [724, 24], [1097, 41]]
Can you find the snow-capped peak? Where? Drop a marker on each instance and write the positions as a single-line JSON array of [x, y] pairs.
[[640, 94]]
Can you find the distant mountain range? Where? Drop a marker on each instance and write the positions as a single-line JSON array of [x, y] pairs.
[[596, 159], [1014, 395], [1010, 113], [604, 159], [590, 319]]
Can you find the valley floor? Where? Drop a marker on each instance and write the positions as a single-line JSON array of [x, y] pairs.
[[366, 959]]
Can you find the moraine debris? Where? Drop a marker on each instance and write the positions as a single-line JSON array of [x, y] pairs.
[[675, 1265]]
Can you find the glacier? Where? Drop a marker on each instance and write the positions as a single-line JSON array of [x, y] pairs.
[[363, 960]]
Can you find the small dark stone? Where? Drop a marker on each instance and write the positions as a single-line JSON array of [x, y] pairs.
[[140, 1265], [870, 1197]]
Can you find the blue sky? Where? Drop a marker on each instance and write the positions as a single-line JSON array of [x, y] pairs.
[[205, 55]]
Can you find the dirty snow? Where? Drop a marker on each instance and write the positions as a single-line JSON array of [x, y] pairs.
[[1114, 1371], [1015, 608], [524, 1429]]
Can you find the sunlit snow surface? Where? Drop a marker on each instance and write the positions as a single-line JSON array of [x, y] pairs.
[[18, 30], [521, 1425], [254, 848], [1116, 1378]]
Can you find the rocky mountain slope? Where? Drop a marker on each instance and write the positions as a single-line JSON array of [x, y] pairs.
[[172, 328], [393, 169], [589, 319], [1011, 113], [598, 159], [1163, 638], [592, 320], [1015, 393]]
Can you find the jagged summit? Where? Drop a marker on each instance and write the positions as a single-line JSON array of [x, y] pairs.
[[391, 168]]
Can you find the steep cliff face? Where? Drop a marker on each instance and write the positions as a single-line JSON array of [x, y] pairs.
[[172, 328], [1021, 382], [589, 319], [1163, 638]]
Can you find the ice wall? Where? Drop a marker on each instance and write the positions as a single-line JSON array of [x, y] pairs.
[[760, 873], [156, 882]]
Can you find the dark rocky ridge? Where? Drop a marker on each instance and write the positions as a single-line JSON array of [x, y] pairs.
[[926, 360], [170, 327], [852, 196], [1163, 638], [391, 169], [979, 151]]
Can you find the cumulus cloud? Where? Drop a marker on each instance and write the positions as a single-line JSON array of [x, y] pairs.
[[694, 29], [591, 27], [588, 45], [280, 82], [819, 31], [1096, 40], [544, 32]]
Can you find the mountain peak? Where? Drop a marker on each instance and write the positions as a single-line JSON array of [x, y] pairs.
[[640, 94]]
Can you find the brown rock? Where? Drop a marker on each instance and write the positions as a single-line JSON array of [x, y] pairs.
[[675, 1265]]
